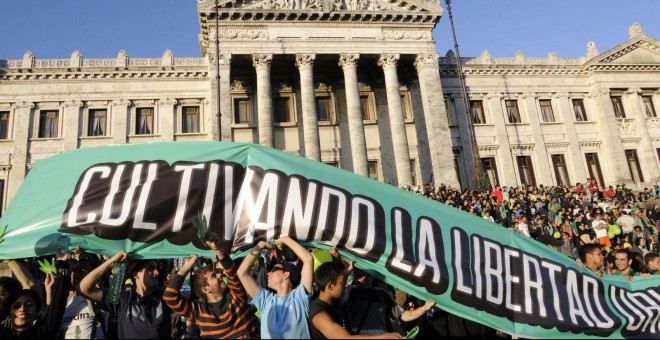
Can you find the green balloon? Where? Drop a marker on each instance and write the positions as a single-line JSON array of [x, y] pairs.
[[610, 234]]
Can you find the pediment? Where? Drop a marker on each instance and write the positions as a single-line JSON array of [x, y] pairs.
[[409, 6], [642, 50]]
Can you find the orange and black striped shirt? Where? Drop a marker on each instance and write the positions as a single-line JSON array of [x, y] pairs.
[[231, 318]]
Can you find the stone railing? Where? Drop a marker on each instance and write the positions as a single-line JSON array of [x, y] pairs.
[[512, 61], [77, 61], [626, 125]]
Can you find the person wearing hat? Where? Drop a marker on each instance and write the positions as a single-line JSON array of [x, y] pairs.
[[222, 311], [141, 313], [284, 314]]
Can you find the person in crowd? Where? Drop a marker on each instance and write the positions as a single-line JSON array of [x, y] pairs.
[[652, 261], [222, 311], [140, 312], [626, 222], [24, 307], [522, 226], [326, 319], [600, 228], [639, 247], [591, 255], [284, 314], [623, 261]]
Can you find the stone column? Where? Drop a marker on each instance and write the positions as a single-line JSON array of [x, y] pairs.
[[166, 118], [120, 118], [19, 155], [544, 167], [437, 126], [646, 152], [609, 131], [261, 63], [348, 63], [506, 159], [71, 120], [225, 118], [575, 154], [397, 125], [305, 63]]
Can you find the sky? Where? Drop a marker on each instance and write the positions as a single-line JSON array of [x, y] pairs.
[[146, 28]]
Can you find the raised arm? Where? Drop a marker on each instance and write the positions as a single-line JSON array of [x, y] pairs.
[[22, 274], [307, 272], [172, 296], [413, 314], [88, 284], [249, 283]]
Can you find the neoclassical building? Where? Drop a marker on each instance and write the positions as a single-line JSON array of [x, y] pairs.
[[355, 84]]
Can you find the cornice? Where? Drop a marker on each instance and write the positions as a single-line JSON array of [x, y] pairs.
[[104, 76]]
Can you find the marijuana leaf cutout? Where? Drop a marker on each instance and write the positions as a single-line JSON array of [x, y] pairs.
[[201, 226], [2, 233], [46, 267]]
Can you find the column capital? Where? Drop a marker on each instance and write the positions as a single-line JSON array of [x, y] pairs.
[[24, 105], [305, 60], [121, 102], [495, 95], [388, 60], [427, 60], [73, 103], [167, 101], [599, 91], [634, 90], [261, 60], [348, 59]]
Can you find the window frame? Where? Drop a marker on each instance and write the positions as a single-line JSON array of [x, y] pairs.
[[250, 106], [185, 128], [368, 112], [106, 122], [493, 167], [560, 168], [58, 127], [617, 106], [547, 112], [529, 165], [516, 111], [376, 166], [579, 104], [473, 115], [649, 108], [591, 158], [406, 107], [137, 115], [330, 108], [632, 156], [6, 123]]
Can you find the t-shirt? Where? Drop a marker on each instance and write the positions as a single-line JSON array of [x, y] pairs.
[[317, 306], [599, 232], [283, 317], [78, 320], [142, 317]]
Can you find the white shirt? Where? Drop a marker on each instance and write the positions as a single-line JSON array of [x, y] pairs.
[[627, 223], [599, 232], [523, 228]]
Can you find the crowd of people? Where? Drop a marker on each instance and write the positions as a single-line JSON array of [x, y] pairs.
[[278, 291]]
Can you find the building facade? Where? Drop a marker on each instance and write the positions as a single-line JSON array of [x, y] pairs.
[[354, 84]]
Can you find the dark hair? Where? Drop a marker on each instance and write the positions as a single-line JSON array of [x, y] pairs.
[[13, 287], [628, 253], [198, 281], [293, 270], [327, 273], [588, 248], [136, 266], [650, 257], [35, 297]]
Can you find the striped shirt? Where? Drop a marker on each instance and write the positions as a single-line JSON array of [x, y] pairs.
[[231, 318]]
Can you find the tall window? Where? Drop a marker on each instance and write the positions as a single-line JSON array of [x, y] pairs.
[[526, 170], [477, 110], [491, 170], [242, 111], [368, 112], [4, 125], [593, 165], [98, 120], [633, 166], [144, 121], [324, 109], [48, 124], [190, 119], [406, 108], [282, 109], [413, 171], [561, 170], [618, 107], [546, 111], [512, 111], [649, 109], [578, 109], [372, 167]]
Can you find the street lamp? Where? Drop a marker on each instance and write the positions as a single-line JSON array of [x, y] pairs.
[[480, 181]]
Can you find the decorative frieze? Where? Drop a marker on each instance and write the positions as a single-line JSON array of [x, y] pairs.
[[653, 122], [243, 34], [121, 102], [626, 125], [167, 102], [73, 103], [240, 86], [407, 35], [591, 145], [24, 105]]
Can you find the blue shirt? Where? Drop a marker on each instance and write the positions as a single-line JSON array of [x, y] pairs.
[[283, 317]]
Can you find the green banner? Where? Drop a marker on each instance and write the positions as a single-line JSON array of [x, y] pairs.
[[147, 198]]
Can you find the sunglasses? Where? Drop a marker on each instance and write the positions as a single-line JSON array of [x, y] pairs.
[[274, 269]]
